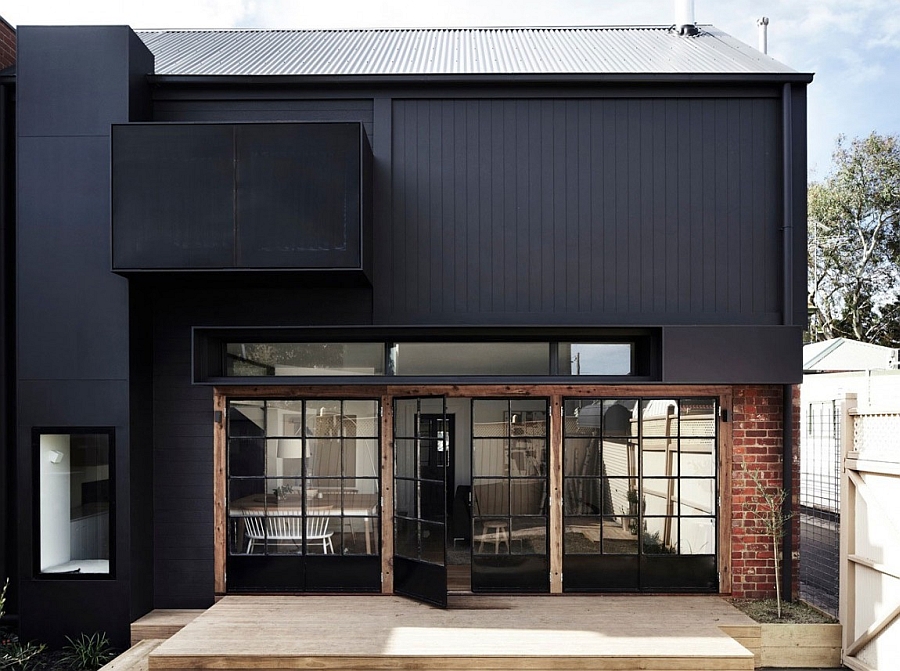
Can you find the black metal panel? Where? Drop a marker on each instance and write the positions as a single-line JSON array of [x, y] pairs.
[[343, 574], [265, 574], [606, 211], [226, 196], [72, 314], [601, 573], [686, 573], [230, 104], [421, 580], [298, 195], [173, 196], [510, 573], [732, 354], [74, 80]]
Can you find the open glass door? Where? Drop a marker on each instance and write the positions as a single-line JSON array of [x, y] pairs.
[[421, 458]]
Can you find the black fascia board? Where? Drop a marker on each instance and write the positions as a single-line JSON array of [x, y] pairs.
[[484, 79]]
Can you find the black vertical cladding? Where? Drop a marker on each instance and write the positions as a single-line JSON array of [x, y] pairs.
[[532, 217], [799, 176], [182, 412], [7, 352], [72, 363]]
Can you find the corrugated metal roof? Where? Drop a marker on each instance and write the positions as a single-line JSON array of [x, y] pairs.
[[456, 51], [843, 354]]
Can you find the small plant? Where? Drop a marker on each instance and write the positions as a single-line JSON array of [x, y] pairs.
[[15, 655], [87, 653], [766, 506]]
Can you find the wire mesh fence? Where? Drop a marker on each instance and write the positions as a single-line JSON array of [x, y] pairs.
[[820, 505]]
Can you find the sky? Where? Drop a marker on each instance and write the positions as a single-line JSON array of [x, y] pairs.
[[852, 46]]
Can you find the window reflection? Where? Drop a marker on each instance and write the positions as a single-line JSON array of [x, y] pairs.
[[639, 476]]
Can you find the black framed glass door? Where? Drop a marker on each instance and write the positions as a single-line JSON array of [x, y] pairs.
[[303, 485], [510, 505], [421, 463], [640, 496]]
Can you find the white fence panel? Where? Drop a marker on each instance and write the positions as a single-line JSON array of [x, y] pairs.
[[870, 543]]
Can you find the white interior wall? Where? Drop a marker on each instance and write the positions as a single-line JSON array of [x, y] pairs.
[[55, 485]]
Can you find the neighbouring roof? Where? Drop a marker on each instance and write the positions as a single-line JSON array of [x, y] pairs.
[[842, 354], [620, 50]]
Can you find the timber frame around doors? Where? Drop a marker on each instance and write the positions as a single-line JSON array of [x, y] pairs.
[[555, 393]]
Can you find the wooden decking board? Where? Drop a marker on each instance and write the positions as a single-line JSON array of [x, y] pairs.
[[569, 633], [162, 623], [135, 658]]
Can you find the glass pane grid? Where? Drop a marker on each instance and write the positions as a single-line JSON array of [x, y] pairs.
[[662, 506], [312, 484]]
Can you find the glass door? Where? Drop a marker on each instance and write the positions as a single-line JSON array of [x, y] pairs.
[[640, 494], [510, 521], [421, 458], [303, 495]]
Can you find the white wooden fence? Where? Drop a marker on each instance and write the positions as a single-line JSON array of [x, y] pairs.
[[870, 539]]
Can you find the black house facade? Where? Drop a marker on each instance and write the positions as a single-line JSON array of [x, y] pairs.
[[355, 311]]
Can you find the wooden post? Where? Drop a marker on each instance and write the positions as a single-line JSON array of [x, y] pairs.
[[387, 494], [847, 571], [726, 466], [556, 494], [220, 522]]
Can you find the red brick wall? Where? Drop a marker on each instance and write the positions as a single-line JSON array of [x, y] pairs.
[[757, 442], [7, 44]]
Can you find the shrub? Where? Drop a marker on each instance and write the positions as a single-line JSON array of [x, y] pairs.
[[87, 653]]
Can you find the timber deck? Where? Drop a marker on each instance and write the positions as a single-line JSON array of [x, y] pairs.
[[658, 633]]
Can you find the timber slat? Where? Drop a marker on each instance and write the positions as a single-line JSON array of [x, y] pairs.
[[135, 658], [163, 623], [543, 633]]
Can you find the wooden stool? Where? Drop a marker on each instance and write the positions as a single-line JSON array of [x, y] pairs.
[[500, 531]]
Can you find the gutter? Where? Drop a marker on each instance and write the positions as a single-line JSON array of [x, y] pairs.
[[787, 437], [485, 79]]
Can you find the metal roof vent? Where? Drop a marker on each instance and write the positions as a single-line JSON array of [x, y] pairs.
[[684, 18], [763, 24]]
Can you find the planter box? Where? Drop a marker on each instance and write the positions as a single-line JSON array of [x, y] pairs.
[[790, 645]]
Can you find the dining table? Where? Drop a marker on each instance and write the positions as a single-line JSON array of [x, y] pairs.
[[331, 503]]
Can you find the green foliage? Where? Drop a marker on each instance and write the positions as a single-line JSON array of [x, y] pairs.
[[15, 655], [854, 243], [87, 653], [19, 656]]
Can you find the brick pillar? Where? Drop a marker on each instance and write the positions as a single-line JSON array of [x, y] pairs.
[[758, 444], [7, 44]]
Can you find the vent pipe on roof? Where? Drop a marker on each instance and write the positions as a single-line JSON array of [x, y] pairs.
[[684, 17], [763, 24]]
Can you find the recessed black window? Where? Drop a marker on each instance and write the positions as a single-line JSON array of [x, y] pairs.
[[74, 471]]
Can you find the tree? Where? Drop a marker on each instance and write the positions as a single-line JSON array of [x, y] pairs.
[[766, 507], [854, 243]]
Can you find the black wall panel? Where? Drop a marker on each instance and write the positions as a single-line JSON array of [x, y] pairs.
[[605, 211], [732, 354], [90, 69], [229, 196], [298, 195], [72, 314], [235, 104], [173, 196], [183, 419]]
